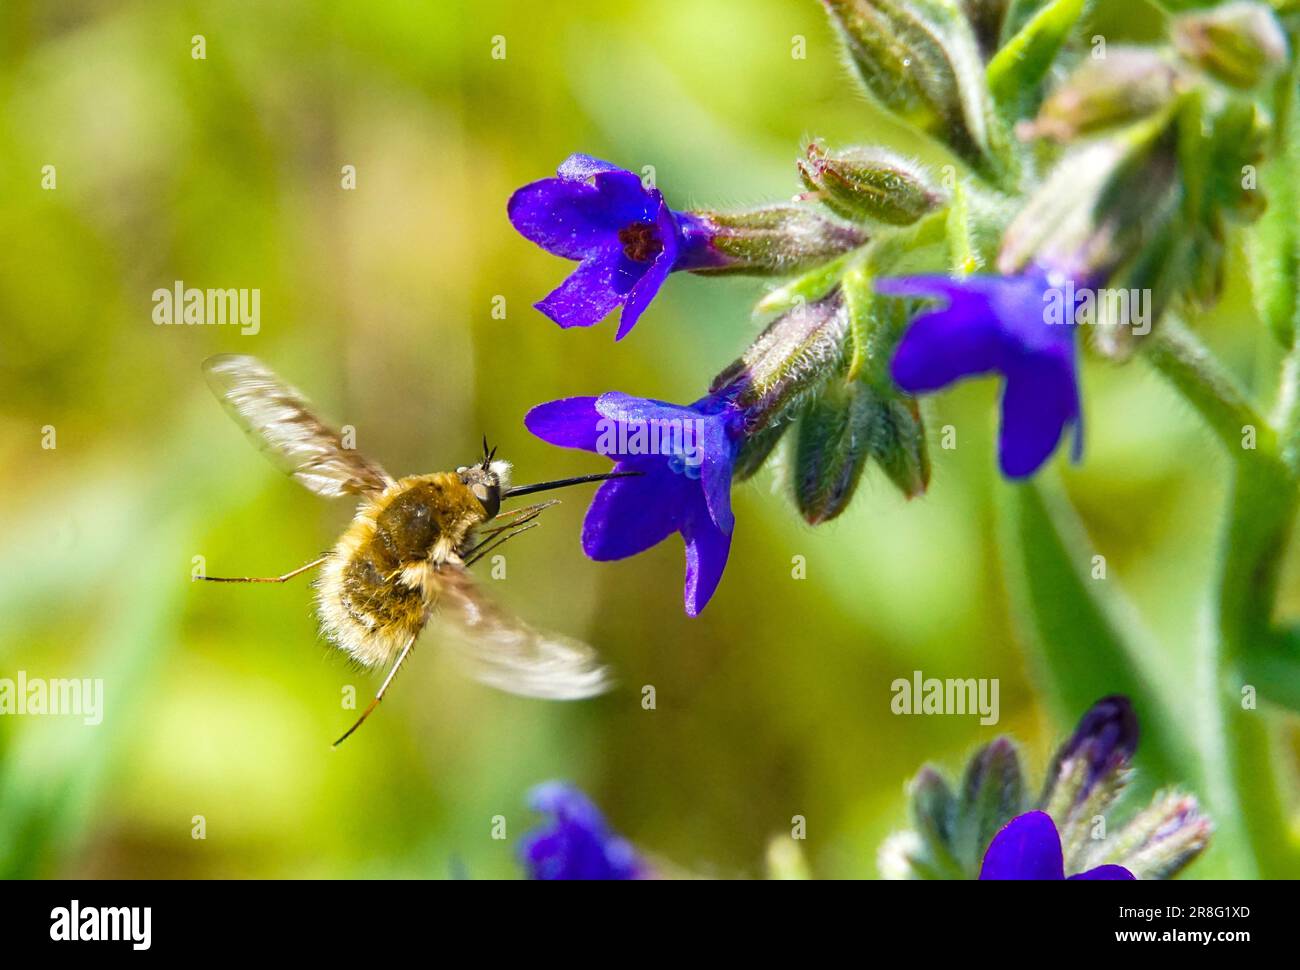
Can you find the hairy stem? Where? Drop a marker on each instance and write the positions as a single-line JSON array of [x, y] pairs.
[[1239, 773], [1195, 373]]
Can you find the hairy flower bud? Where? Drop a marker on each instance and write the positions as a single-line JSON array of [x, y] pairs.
[[992, 793], [835, 432], [1161, 839], [1094, 210], [934, 808], [773, 240], [869, 183], [1104, 739], [1239, 43], [1129, 84], [919, 58], [898, 445], [788, 362], [925, 850], [757, 448], [1096, 754]]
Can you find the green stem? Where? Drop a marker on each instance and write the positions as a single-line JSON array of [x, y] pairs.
[[1261, 512], [1197, 376], [1240, 769]]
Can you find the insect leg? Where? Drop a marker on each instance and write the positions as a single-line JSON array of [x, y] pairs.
[[487, 545], [266, 579], [380, 696], [524, 513]]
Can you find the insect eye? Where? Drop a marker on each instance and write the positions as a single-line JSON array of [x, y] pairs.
[[489, 497]]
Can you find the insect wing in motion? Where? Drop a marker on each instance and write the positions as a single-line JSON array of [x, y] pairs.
[[280, 422], [504, 652]]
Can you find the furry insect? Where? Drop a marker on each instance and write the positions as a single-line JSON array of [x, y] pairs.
[[404, 559]]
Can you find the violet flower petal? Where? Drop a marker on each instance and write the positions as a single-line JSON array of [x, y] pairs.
[[1105, 872], [590, 293], [1027, 847], [629, 515], [570, 422], [579, 167], [996, 323], [645, 289], [563, 218], [943, 346], [1039, 403], [707, 549]]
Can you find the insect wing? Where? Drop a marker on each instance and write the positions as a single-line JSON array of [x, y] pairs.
[[504, 652], [280, 422]]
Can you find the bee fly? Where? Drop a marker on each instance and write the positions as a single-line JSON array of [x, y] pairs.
[[404, 559]]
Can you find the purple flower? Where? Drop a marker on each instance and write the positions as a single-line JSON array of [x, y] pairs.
[[576, 842], [624, 235], [1029, 847], [999, 324], [684, 455]]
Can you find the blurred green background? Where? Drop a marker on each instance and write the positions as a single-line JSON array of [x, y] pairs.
[[221, 702]]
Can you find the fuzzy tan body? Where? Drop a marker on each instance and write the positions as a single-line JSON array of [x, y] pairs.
[[379, 583]]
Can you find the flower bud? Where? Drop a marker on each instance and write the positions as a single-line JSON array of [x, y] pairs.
[[1091, 766], [1130, 83], [869, 183], [992, 794], [1237, 136], [925, 850], [835, 432], [773, 240], [1184, 235], [1161, 839], [788, 362], [756, 448], [899, 446], [922, 62], [934, 809], [1239, 43], [1094, 211]]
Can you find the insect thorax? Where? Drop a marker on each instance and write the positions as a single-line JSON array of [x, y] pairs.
[[425, 517]]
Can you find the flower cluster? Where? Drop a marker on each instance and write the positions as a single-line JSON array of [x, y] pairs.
[[990, 829], [904, 282]]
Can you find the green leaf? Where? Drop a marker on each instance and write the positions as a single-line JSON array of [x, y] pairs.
[[1019, 13], [1018, 67]]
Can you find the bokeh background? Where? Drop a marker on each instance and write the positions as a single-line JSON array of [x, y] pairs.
[[222, 701]]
